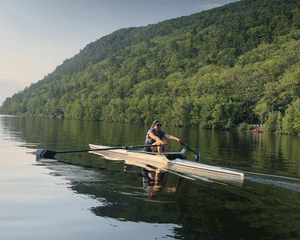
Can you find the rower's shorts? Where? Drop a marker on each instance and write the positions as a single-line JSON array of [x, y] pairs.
[[148, 148]]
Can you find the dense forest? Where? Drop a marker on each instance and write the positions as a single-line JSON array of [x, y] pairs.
[[230, 66]]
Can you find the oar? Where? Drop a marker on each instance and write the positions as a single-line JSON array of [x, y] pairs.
[[197, 155], [49, 154]]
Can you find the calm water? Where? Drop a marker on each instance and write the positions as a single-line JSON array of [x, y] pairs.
[[82, 196]]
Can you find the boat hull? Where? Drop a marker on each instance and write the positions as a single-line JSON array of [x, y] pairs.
[[178, 166]]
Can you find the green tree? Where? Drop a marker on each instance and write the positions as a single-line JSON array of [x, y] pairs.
[[271, 124], [262, 110]]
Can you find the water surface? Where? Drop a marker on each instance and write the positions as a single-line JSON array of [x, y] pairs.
[[82, 196]]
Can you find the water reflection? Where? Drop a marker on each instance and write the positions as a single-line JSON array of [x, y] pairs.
[[156, 181], [265, 207], [201, 210]]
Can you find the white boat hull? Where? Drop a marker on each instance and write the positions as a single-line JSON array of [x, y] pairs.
[[178, 166]]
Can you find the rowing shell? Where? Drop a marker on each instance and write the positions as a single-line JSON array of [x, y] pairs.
[[155, 162]]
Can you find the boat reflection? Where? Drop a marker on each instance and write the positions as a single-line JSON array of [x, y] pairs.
[[204, 210]]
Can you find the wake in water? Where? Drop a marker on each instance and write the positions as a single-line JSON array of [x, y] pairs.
[[274, 180]]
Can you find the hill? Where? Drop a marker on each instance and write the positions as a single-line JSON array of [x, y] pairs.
[[235, 64]]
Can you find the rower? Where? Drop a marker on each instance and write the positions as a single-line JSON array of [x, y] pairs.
[[154, 138]]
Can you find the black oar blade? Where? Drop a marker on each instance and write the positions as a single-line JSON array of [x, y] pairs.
[[45, 154]]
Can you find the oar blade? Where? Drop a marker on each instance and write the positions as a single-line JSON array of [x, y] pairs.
[[45, 154]]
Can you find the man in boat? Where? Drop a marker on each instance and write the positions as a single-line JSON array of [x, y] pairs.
[[154, 181], [154, 138]]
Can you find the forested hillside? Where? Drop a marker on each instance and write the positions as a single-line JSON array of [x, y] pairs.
[[215, 69]]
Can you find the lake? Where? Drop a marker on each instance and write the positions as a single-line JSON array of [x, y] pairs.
[[82, 196]]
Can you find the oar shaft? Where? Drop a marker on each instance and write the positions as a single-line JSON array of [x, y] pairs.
[[197, 155], [101, 149], [49, 154], [187, 146]]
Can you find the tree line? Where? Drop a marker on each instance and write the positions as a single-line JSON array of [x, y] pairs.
[[232, 65]]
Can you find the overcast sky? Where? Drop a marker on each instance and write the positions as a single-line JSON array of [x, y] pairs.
[[38, 35]]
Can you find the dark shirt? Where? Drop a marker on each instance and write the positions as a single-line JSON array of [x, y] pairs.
[[159, 133]]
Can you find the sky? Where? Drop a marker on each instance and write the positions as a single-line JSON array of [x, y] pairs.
[[36, 36]]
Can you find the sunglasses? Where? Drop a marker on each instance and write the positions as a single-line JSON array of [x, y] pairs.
[[158, 125]]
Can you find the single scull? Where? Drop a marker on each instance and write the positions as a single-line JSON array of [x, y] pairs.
[[174, 162]]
